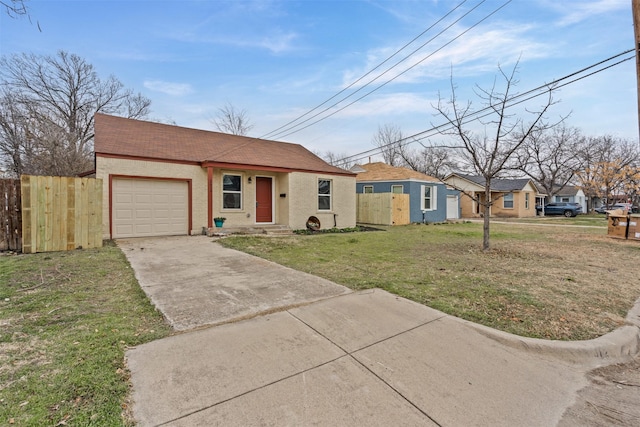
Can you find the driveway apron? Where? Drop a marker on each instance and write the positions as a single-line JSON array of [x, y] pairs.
[[196, 282]]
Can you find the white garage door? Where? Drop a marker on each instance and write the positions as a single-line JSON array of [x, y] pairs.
[[452, 207], [145, 207]]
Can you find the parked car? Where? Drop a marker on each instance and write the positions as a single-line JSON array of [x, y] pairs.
[[566, 209], [627, 207]]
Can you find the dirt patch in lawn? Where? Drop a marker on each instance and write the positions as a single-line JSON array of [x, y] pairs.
[[611, 398]]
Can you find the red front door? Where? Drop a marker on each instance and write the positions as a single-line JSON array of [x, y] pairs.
[[264, 203]]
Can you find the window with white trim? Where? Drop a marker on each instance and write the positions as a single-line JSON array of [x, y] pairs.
[[324, 194], [507, 201], [231, 191], [397, 189], [428, 201], [526, 200], [367, 189]]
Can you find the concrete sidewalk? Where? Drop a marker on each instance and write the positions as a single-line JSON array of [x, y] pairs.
[[350, 359]]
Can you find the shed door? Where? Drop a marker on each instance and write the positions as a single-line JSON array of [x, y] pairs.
[[452, 207], [147, 207], [264, 199]]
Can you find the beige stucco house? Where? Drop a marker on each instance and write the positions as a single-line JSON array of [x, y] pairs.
[[513, 198], [168, 180]]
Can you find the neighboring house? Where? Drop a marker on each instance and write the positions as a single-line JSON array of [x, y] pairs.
[[571, 194], [429, 198], [169, 180], [515, 198]]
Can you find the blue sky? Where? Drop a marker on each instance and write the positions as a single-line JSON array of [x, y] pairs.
[[279, 59]]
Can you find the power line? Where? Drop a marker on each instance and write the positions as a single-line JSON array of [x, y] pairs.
[[292, 129], [275, 131], [390, 80], [538, 91]]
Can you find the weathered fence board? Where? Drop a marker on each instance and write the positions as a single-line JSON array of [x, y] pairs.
[[60, 213], [10, 218], [383, 209]]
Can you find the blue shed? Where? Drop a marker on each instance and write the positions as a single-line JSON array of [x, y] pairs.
[[429, 198]]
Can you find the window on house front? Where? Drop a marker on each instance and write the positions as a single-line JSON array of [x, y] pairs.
[[564, 199], [367, 189], [526, 200], [397, 189], [507, 201], [232, 191], [324, 195], [429, 198]]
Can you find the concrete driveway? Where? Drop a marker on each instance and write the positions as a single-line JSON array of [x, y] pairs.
[[325, 356]]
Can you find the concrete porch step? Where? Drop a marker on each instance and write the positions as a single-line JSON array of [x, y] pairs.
[[269, 229]]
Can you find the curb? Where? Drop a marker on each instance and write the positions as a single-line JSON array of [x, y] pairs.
[[617, 346]]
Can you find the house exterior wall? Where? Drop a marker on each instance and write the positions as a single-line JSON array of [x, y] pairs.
[[299, 190], [468, 208], [106, 166], [414, 189], [519, 210], [578, 197], [303, 200]]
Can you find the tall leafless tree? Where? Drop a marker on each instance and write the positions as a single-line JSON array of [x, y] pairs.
[[232, 120], [435, 161], [489, 150], [47, 104], [388, 139], [549, 157], [601, 157]]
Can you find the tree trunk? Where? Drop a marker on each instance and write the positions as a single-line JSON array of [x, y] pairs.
[[487, 213]]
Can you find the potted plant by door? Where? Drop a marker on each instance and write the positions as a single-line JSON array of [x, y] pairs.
[[219, 221]]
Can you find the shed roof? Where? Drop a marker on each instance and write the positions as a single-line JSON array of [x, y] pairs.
[[379, 171], [128, 138]]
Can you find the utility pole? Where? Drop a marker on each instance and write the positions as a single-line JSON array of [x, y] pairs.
[[635, 10]]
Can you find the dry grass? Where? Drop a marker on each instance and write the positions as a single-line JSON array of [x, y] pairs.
[[553, 282]]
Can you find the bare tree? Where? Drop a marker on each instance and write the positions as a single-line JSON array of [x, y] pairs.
[[548, 157], [388, 139], [340, 160], [431, 160], [231, 120], [487, 152], [15, 8], [605, 162], [47, 106]]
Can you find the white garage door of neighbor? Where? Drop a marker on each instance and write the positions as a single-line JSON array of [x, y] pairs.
[[452, 207], [145, 207]]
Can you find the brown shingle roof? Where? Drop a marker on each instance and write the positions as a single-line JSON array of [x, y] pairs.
[[117, 136], [379, 171]]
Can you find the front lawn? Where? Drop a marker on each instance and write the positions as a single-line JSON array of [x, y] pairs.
[[66, 319], [554, 282]]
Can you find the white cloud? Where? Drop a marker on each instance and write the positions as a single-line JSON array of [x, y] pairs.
[[476, 52], [574, 12], [169, 88]]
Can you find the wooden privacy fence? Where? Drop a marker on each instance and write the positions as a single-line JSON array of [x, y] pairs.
[[10, 216], [383, 209], [60, 213]]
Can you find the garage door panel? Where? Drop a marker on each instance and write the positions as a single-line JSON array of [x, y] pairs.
[[145, 207]]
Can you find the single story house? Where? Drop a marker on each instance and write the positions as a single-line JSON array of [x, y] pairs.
[[168, 180], [571, 194], [514, 198], [429, 198]]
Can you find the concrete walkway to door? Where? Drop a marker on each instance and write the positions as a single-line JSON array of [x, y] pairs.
[[365, 358]]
